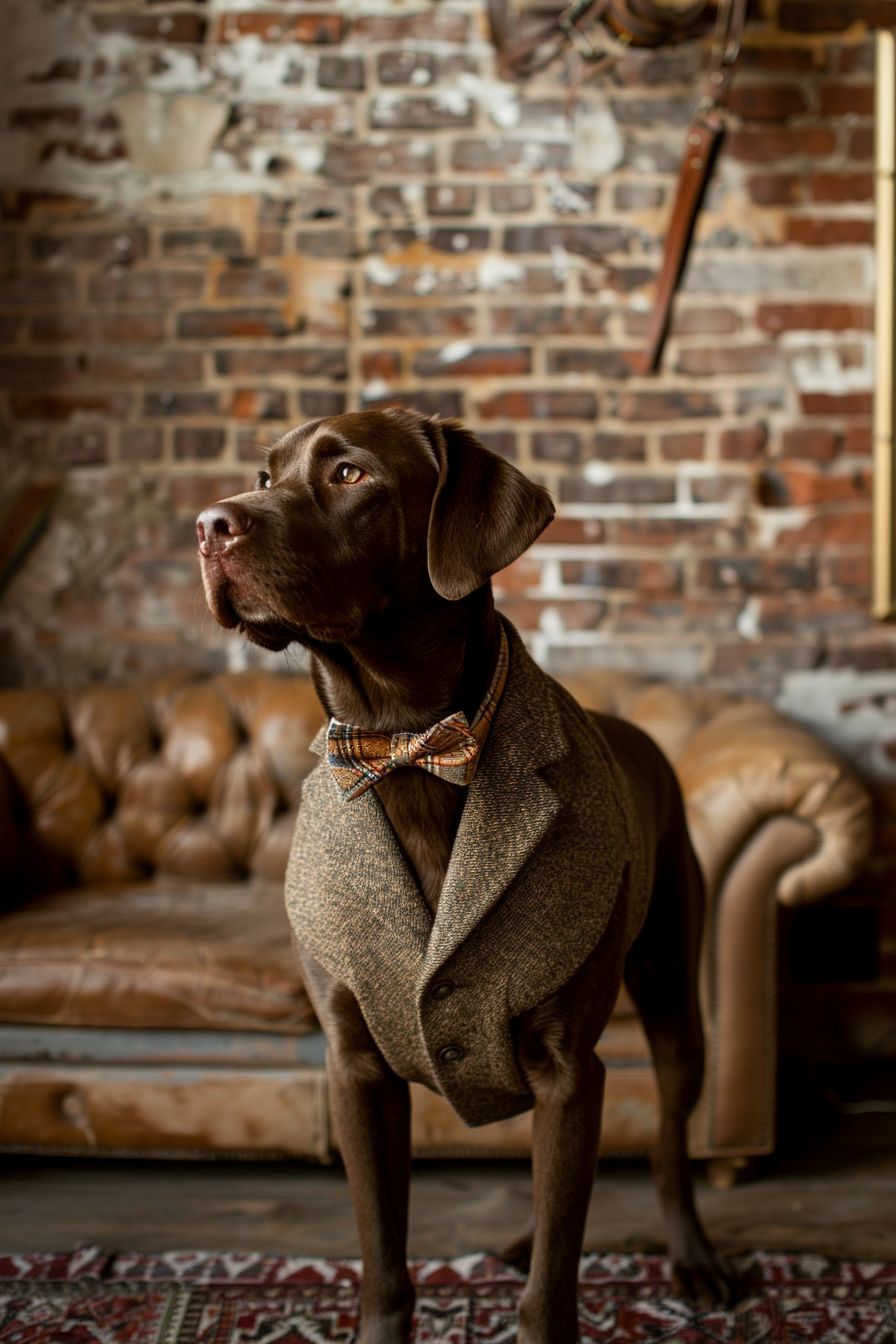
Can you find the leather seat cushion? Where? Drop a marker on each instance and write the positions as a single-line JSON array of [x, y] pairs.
[[154, 955]]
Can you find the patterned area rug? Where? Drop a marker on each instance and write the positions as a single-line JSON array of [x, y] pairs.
[[94, 1297]]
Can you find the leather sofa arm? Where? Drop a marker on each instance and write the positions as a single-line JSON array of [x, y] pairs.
[[748, 765], [11, 835]]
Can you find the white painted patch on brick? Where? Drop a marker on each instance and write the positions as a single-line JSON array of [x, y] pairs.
[[376, 389], [453, 101], [420, 75], [551, 622], [380, 272], [182, 73], [768, 524], [598, 473], [501, 99], [567, 200], [455, 351], [748, 622], [597, 143], [495, 272]]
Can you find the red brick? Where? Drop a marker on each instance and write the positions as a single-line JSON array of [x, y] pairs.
[[598, 360], [559, 445], [646, 576], [258, 403], [251, 282], [181, 404], [621, 489], [767, 102], [550, 320], [427, 25], [667, 404], [230, 323], [815, 443], [585, 240], [836, 187], [718, 489], [140, 445], [539, 405], [776, 188], [682, 447], [836, 403], [174, 26], [776, 317], [727, 359], [857, 440], [385, 364], [420, 113], [830, 232], [198, 444], [613, 446], [527, 614], [743, 444], [765, 144], [81, 328], [860, 143], [274, 26], [501, 156], [758, 574], [423, 321], [350, 161], [758, 56], [162, 287], [258, 361], [574, 532], [315, 402], [162, 364], [806, 486], [842, 100], [82, 447], [480, 362], [68, 405]]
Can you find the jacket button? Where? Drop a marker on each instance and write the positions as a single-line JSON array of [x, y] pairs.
[[442, 988], [450, 1054]]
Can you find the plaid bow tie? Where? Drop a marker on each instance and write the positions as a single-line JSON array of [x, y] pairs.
[[360, 758]]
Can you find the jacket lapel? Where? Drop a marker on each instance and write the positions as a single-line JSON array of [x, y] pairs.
[[509, 807]]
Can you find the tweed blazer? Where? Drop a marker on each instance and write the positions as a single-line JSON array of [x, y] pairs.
[[547, 839]]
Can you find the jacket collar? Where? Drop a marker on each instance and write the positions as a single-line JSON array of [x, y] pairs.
[[508, 810]]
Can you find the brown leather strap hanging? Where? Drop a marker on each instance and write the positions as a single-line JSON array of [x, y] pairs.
[[701, 146], [612, 26]]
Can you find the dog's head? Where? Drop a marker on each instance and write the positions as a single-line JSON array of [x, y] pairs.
[[360, 513]]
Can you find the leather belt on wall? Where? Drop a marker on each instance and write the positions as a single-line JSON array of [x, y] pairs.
[[616, 24]]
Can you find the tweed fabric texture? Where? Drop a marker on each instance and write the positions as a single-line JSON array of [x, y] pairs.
[[548, 837], [450, 749]]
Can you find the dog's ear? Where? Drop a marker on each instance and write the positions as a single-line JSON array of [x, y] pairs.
[[485, 513]]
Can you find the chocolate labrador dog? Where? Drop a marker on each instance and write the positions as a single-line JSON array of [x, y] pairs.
[[478, 862]]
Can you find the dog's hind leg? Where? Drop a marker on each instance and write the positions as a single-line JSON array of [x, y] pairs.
[[661, 976]]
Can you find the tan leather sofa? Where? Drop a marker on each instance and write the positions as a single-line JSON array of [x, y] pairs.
[[148, 997]]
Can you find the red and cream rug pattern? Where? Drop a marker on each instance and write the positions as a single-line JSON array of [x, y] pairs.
[[91, 1296]]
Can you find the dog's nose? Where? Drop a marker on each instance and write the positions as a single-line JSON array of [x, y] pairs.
[[220, 525]]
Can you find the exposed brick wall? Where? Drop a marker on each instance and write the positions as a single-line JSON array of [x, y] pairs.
[[221, 219]]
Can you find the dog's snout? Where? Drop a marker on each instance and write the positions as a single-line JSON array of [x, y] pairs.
[[220, 525]]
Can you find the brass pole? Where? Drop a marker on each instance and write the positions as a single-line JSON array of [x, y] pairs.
[[884, 529]]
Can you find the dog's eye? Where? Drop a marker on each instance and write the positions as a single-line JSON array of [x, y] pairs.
[[348, 474], [262, 480]]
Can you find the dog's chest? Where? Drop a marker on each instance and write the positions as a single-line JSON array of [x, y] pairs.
[[424, 813]]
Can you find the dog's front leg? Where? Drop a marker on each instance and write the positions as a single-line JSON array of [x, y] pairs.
[[370, 1107], [565, 1134]]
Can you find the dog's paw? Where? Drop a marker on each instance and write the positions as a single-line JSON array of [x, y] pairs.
[[705, 1280], [519, 1253]]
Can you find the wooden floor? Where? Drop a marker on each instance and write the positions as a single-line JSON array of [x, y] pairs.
[[831, 1192]]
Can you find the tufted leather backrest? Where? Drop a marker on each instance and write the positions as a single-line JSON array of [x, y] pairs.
[[199, 777], [196, 778]]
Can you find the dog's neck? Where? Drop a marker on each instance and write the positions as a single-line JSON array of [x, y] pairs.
[[407, 671]]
